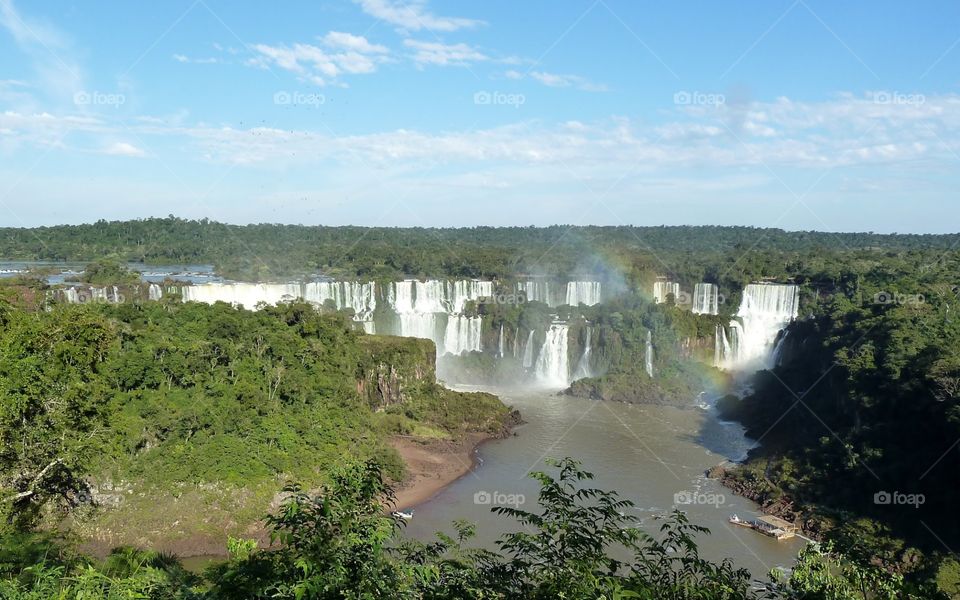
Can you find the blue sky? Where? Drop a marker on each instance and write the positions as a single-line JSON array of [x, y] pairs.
[[798, 114]]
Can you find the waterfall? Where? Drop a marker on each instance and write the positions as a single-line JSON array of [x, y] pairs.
[[777, 358], [421, 326], [154, 292], [357, 296], [706, 299], [765, 309], [648, 357], [462, 291], [583, 365], [71, 295], [535, 291], [528, 351], [516, 338], [463, 334], [247, 295], [662, 289], [423, 307], [500, 343], [583, 292], [722, 353], [553, 368]]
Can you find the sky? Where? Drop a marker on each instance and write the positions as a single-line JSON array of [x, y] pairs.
[[796, 114]]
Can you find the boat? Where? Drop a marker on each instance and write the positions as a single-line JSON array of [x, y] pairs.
[[405, 515], [774, 527]]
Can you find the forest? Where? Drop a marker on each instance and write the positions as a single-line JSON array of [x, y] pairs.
[[865, 393]]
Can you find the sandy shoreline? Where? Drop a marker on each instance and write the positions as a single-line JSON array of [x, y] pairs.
[[433, 465]]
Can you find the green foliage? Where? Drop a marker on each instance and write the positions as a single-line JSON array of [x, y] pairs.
[[823, 574], [174, 396], [108, 272]]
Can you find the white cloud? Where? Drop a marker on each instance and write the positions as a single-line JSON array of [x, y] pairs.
[[845, 131], [413, 15], [49, 50], [437, 53], [123, 149], [348, 53], [181, 58], [355, 43], [558, 80]]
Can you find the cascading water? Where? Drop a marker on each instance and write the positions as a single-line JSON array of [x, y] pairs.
[[722, 353], [662, 289], [553, 365], [423, 307], [247, 295], [777, 358], [535, 291], [500, 343], [706, 299], [154, 292], [583, 365], [648, 356], [528, 352], [766, 308], [583, 292], [462, 291], [357, 296], [463, 334], [516, 339]]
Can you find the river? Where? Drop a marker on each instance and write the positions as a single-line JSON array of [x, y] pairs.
[[647, 453]]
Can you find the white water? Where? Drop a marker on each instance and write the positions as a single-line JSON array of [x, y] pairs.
[[80, 295], [722, 353], [528, 352], [247, 295], [154, 292], [463, 334], [553, 368], [765, 309], [583, 365], [536, 291], [357, 296], [777, 358], [648, 358], [706, 299], [423, 305], [662, 289], [500, 343], [583, 292], [462, 291]]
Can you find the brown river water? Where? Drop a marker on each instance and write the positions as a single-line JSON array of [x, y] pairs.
[[654, 456]]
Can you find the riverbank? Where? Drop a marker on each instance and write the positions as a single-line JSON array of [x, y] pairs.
[[748, 481], [433, 465]]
